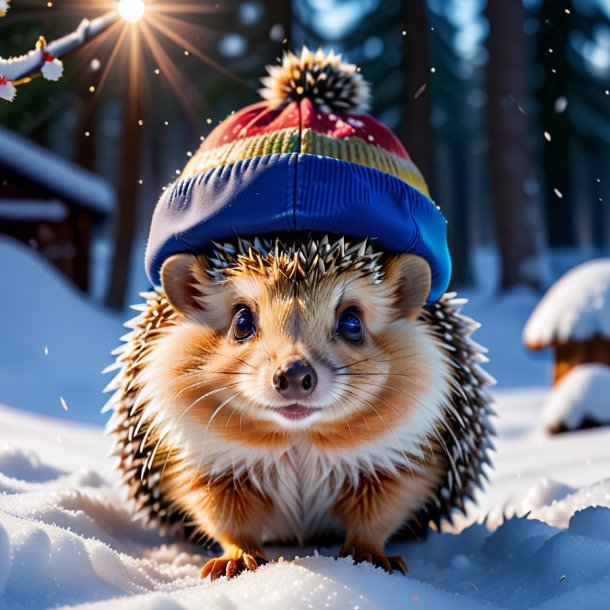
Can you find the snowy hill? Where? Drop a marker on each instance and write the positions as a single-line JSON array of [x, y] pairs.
[[54, 343]]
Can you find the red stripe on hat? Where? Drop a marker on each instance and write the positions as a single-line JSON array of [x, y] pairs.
[[341, 125], [262, 118]]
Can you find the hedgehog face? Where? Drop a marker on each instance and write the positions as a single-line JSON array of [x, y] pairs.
[[269, 345]]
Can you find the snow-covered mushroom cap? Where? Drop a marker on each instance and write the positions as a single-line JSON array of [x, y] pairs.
[[579, 399], [575, 308]]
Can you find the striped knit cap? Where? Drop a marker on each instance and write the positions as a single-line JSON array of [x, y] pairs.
[[307, 158]]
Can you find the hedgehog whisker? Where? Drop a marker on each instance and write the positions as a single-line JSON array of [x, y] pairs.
[[423, 405], [244, 362], [216, 412], [427, 408], [252, 403], [204, 396], [387, 387], [353, 404], [346, 366], [410, 397], [215, 391], [377, 375], [372, 359], [402, 450], [346, 420], [203, 442], [199, 384], [206, 350], [228, 373], [200, 398], [407, 395], [229, 418]]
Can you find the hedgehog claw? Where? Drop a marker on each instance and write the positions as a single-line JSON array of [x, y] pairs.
[[389, 564], [398, 563], [232, 566]]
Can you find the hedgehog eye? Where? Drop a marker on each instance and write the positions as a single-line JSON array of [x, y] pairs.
[[350, 325], [243, 324]]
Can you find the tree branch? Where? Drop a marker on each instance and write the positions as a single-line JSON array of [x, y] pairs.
[[45, 58]]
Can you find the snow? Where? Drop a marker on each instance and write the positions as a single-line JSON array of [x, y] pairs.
[[33, 209], [501, 319], [67, 539], [40, 311], [576, 308], [538, 536], [57, 174], [583, 394]]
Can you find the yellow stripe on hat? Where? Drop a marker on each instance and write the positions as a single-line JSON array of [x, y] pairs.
[[357, 150], [353, 149], [280, 141]]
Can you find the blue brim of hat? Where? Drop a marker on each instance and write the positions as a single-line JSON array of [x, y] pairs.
[[284, 192]]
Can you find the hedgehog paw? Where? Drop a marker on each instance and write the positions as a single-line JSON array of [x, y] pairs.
[[389, 564], [231, 566]]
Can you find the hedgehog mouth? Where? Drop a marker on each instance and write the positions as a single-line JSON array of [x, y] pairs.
[[296, 411]]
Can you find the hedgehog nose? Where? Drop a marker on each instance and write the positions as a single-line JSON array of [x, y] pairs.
[[295, 379]]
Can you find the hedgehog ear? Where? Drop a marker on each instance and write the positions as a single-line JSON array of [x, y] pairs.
[[180, 276], [410, 279]]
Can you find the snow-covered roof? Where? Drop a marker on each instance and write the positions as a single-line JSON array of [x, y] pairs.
[[33, 209], [583, 394], [575, 308], [57, 174]]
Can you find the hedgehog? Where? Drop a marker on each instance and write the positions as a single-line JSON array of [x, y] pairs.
[[299, 372]]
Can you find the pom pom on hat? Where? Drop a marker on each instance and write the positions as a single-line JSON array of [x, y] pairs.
[[322, 77]]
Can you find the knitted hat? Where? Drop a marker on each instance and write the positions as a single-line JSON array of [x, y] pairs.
[[307, 158]]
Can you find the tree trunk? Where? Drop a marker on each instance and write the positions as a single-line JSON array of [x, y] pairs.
[[128, 187], [517, 213], [416, 133]]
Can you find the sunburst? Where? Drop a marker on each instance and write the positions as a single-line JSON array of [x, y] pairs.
[[133, 33]]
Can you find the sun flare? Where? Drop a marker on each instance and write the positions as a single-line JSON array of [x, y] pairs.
[[131, 10]]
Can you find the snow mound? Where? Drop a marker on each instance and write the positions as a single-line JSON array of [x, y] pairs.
[[54, 342], [83, 550], [575, 308], [546, 492], [581, 398], [67, 540]]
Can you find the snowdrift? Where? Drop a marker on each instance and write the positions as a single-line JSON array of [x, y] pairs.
[[581, 398], [67, 539], [54, 343]]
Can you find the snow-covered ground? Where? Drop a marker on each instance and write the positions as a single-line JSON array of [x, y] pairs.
[[53, 342], [66, 538], [539, 536]]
